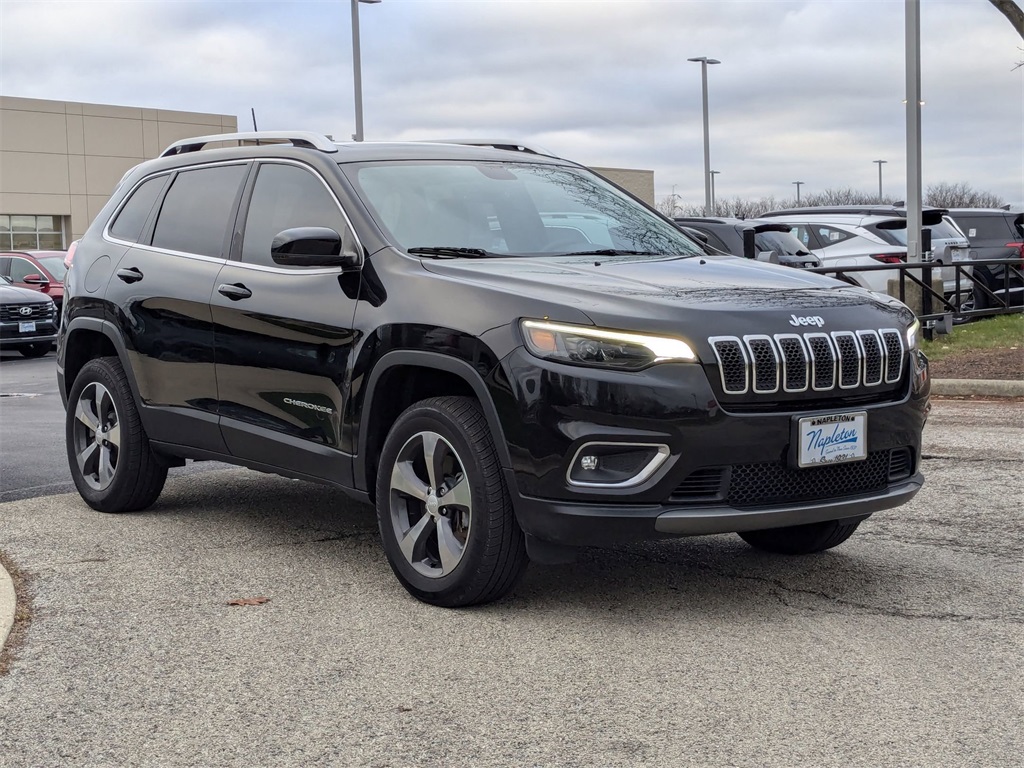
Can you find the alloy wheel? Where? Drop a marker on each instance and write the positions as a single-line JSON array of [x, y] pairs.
[[97, 436], [431, 504]]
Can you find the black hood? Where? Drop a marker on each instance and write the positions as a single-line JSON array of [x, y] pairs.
[[12, 294], [717, 294]]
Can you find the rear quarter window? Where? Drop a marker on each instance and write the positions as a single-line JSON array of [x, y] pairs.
[[132, 217]]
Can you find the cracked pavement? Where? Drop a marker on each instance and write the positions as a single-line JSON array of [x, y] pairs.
[[901, 647]]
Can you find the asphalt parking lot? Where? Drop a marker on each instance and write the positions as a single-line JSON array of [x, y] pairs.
[[902, 647]]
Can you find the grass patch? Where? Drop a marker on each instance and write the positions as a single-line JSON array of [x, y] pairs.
[[1000, 332]]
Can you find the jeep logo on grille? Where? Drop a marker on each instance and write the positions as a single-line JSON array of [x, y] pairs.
[[25, 311], [807, 320]]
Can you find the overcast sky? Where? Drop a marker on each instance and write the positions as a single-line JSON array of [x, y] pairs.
[[807, 91]]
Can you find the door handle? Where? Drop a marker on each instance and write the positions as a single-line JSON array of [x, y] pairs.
[[234, 291], [130, 274]]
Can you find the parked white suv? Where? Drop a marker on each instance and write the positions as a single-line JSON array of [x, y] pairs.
[[844, 240]]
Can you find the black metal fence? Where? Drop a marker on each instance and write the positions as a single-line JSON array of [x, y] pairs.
[[979, 288]]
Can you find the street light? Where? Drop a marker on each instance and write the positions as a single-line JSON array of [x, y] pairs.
[[357, 74], [714, 204], [879, 177], [798, 183], [704, 61]]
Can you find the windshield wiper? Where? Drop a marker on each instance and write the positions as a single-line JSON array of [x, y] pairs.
[[450, 252], [608, 252]]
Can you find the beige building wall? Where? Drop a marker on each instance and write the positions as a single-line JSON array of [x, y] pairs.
[[61, 158], [640, 183]]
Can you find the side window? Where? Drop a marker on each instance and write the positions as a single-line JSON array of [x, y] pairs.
[[803, 234], [831, 235], [22, 267], [132, 217], [284, 197], [717, 243], [194, 217]]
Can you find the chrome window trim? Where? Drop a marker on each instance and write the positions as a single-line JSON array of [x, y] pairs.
[[128, 196], [642, 476], [713, 341], [245, 161]]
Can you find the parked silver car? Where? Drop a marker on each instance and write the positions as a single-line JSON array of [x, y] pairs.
[[888, 225]]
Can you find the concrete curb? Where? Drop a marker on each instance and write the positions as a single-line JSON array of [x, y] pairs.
[[8, 600], [978, 387]]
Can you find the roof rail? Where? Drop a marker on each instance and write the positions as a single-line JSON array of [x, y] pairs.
[[305, 139], [513, 145]]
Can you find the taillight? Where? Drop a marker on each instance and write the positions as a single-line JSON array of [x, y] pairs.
[[1019, 247], [889, 258], [70, 254]]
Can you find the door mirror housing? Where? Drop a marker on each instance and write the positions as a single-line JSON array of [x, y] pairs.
[[312, 247], [35, 279]]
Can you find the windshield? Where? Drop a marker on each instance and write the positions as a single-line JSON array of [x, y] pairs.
[[941, 231], [783, 243], [510, 209], [54, 265]]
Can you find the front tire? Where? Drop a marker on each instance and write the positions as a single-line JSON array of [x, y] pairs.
[[801, 539], [445, 514], [111, 461]]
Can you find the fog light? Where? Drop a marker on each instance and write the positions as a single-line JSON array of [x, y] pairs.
[[615, 465]]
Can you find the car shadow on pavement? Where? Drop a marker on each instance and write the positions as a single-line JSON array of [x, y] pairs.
[[699, 576]]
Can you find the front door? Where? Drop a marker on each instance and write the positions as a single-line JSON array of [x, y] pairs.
[[283, 335]]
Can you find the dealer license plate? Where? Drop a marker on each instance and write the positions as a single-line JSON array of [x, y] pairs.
[[27, 326], [832, 439]]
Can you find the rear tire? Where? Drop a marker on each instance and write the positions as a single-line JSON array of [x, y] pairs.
[[445, 514], [111, 461], [38, 349], [801, 539]]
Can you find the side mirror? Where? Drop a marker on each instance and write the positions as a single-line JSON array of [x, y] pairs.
[[311, 247], [772, 257], [35, 279]]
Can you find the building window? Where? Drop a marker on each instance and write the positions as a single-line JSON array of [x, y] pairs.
[[31, 233]]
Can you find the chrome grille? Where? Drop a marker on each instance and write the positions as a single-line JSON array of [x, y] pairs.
[[39, 311], [817, 361]]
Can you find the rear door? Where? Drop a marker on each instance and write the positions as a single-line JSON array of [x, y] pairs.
[[176, 228], [284, 334]]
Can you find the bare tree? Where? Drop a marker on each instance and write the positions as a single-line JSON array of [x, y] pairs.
[[960, 195]]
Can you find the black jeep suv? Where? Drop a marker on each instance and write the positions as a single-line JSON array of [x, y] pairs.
[[508, 355]]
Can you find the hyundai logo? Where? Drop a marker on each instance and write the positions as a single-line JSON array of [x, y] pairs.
[[25, 311]]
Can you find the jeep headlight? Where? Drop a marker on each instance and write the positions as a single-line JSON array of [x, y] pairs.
[[602, 347], [913, 334]]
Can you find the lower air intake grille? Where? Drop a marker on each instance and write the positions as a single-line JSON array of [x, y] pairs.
[[758, 485]]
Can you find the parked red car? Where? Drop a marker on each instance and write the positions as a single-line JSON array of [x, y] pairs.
[[39, 270]]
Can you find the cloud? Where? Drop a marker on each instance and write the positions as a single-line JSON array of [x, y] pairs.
[[806, 90]]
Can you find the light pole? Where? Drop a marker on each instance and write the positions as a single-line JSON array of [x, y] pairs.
[[879, 177], [357, 74], [714, 203], [798, 183], [704, 61]]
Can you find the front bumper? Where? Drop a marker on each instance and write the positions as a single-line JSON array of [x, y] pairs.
[[729, 468], [596, 525]]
